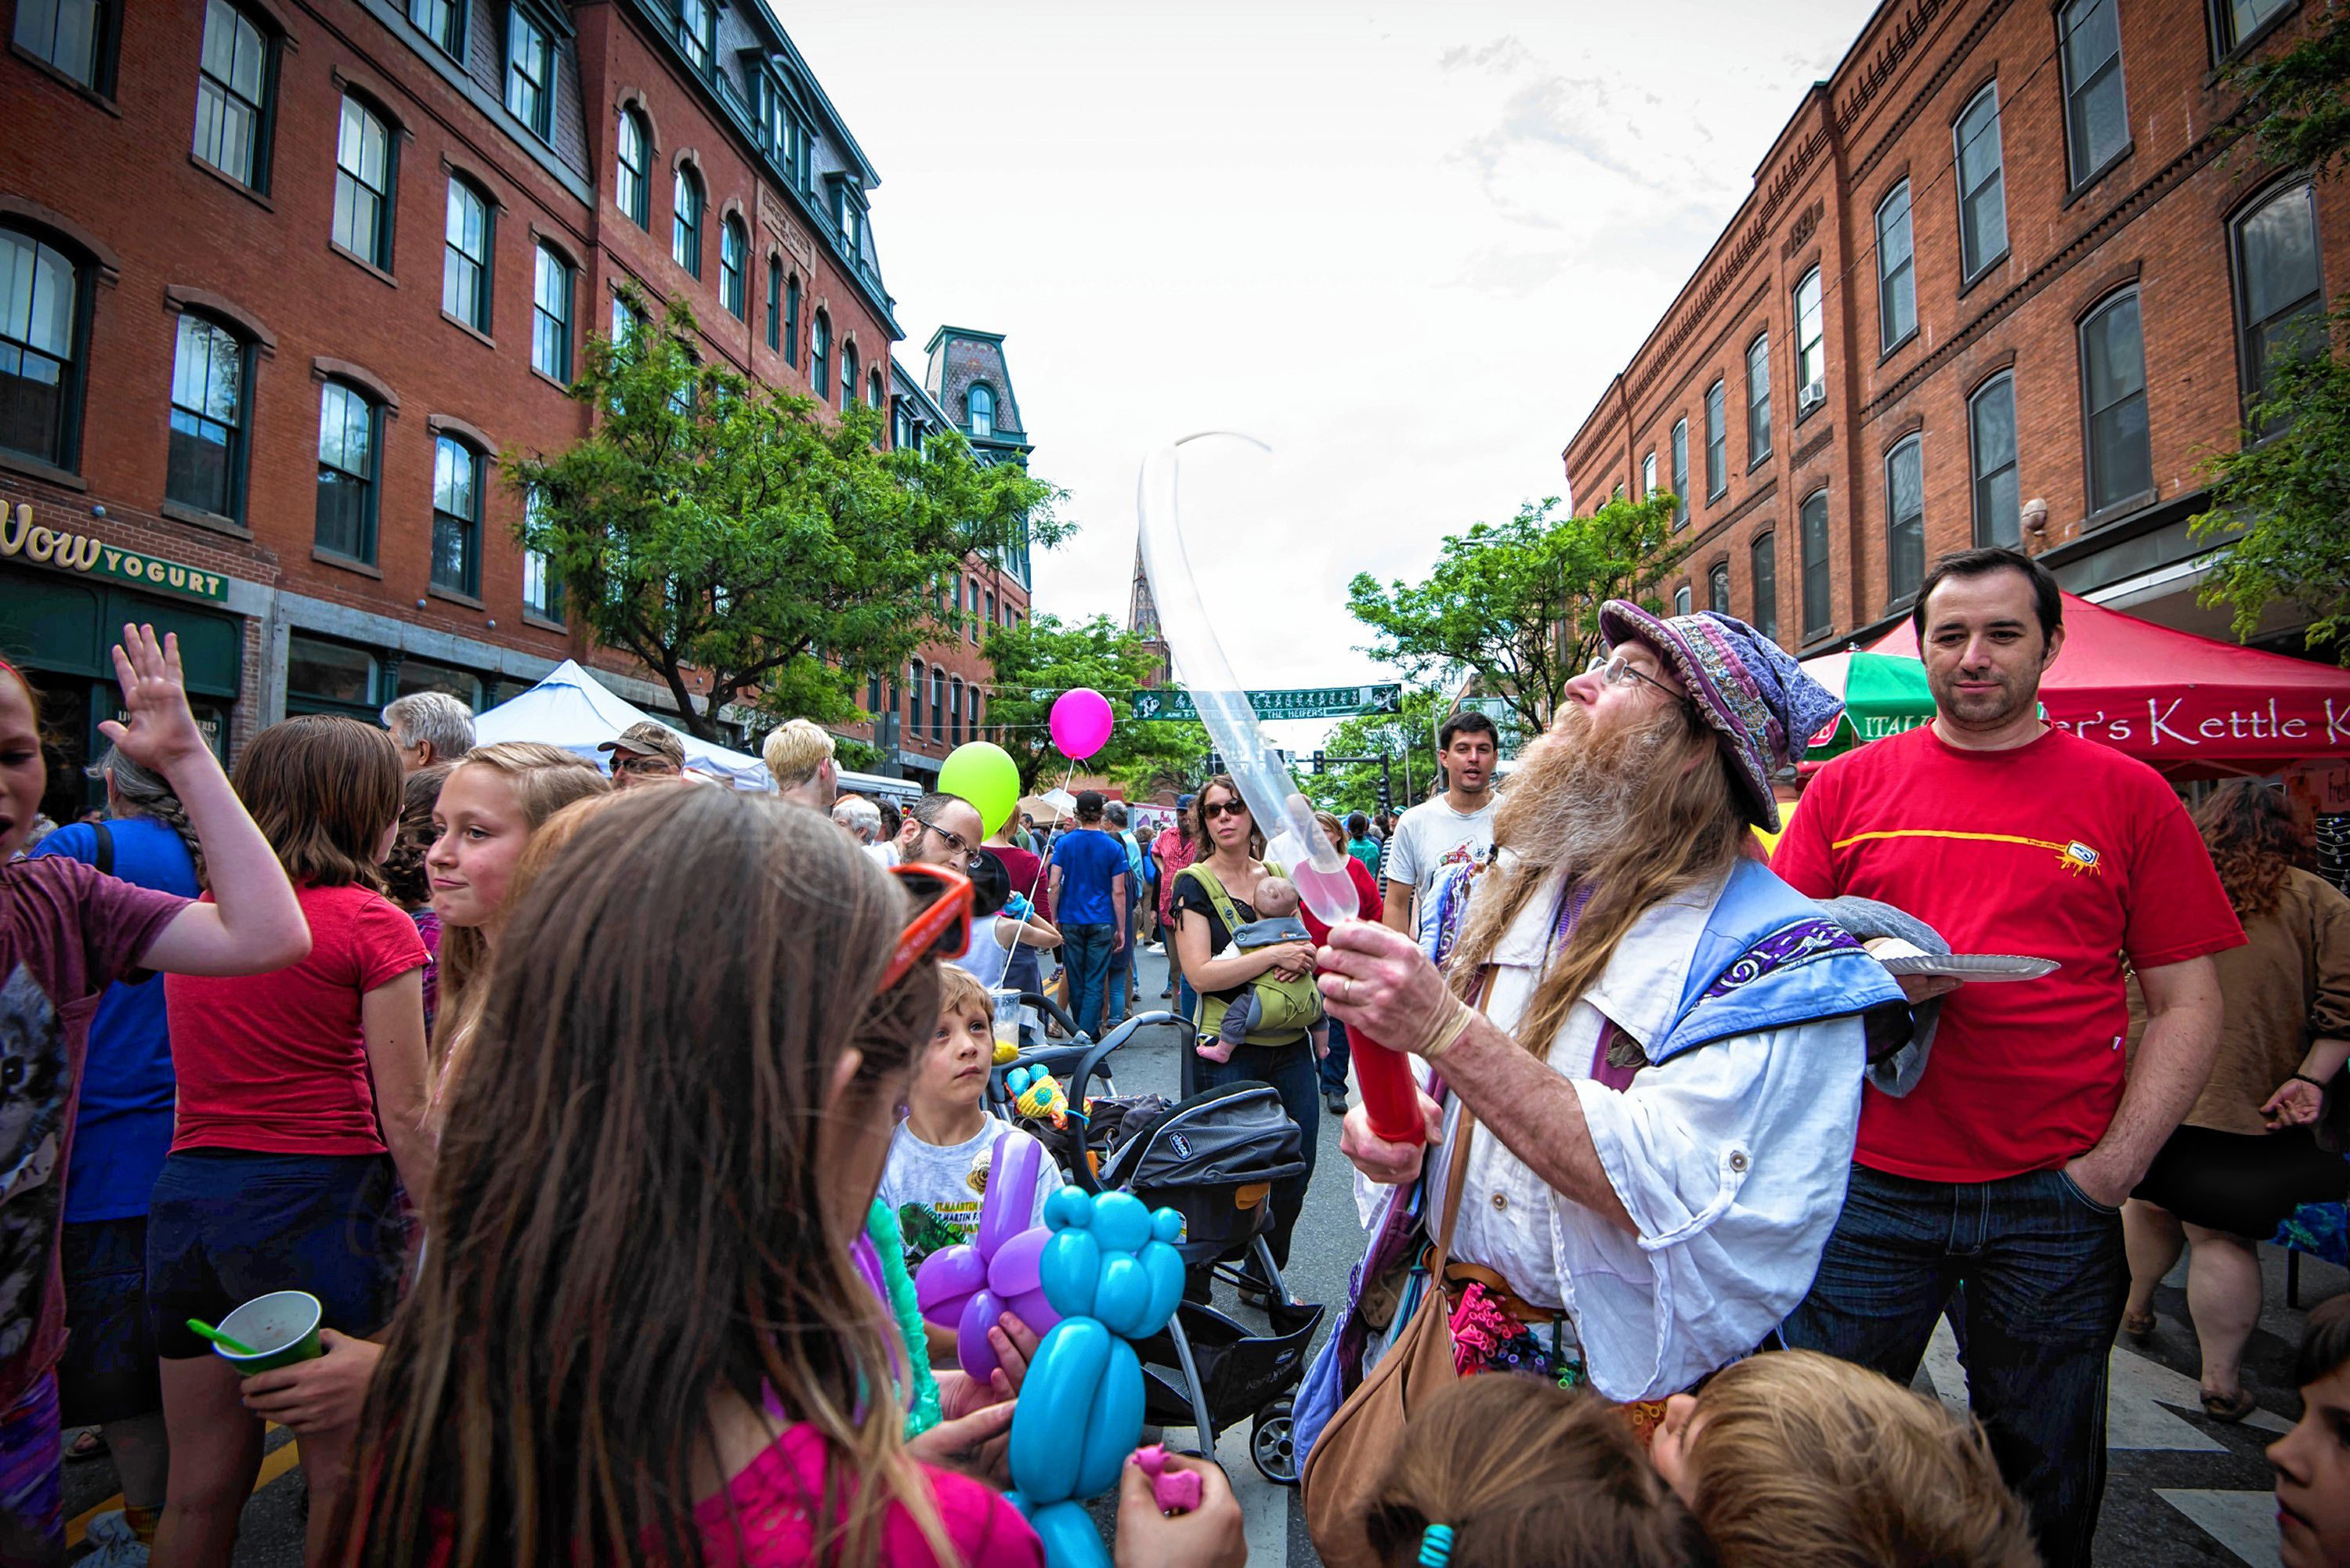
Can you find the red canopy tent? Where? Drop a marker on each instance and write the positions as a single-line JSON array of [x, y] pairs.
[[2192, 706]]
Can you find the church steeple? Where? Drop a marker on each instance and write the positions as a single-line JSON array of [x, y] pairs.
[[1142, 619]]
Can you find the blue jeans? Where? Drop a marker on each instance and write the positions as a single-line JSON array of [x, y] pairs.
[[2040, 1274], [1334, 1066], [1085, 953], [1289, 1069]]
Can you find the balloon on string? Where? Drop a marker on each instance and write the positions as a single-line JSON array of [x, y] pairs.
[[1081, 722], [984, 774]]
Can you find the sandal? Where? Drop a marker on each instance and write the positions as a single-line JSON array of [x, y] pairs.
[[89, 1443], [2139, 1326], [2221, 1408]]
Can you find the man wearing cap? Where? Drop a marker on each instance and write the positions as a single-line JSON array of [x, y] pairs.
[[646, 753], [1661, 1043]]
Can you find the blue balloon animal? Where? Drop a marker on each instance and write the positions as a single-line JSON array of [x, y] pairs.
[[1112, 1272]]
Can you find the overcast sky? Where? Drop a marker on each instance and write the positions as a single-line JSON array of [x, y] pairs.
[[1406, 246]]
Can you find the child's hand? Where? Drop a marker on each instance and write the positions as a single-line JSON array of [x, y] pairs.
[[1210, 1536], [977, 1443], [157, 729]]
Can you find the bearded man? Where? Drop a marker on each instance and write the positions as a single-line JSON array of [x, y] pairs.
[[1661, 1043]]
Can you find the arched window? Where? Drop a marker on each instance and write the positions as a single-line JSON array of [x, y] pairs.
[[914, 698], [980, 405], [550, 316], [792, 319], [2280, 304], [211, 407], [734, 262], [1758, 400], [1680, 471], [847, 377], [685, 236], [1982, 183], [232, 83], [954, 711], [42, 328], [1717, 587], [873, 393], [1905, 519], [634, 191], [347, 470], [1681, 599], [819, 353], [465, 256], [364, 165], [1991, 447], [938, 703], [1763, 559], [774, 303], [456, 517], [1896, 273]]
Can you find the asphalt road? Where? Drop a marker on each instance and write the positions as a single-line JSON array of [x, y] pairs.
[[2183, 1491]]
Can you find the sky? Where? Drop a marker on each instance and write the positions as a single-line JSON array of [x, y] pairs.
[[1404, 246]]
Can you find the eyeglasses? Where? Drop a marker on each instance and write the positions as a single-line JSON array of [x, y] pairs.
[[1621, 672], [643, 764], [1214, 809], [940, 929], [955, 841]]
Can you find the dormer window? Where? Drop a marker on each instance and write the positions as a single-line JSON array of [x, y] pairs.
[[979, 404]]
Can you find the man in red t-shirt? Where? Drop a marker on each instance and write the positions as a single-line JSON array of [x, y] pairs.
[[1999, 1180]]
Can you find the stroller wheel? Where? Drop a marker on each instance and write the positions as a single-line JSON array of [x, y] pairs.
[[1270, 1445]]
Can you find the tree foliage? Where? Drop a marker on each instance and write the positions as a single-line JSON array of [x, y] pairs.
[[2290, 495], [746, 546], [1049, 655], [1408, 737], [1517, 603], [2300, 113]]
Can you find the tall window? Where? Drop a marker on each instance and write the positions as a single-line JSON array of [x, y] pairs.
[[819, 353], [1717, 441], [2113, 381], [1763, 561], [734, 261], [347, 472], [850, 217], [774, 303], [2240, 19], [625, 321], [1896, 276], [550, 316], [1991, 444], [697, 31], [530, 73], [847, 377], [1811, 346], [979, 403], [792, 319], [40, 327], [1758, 400], [938, 702], [1814, 544], [67, 34], [1681, 599], [1717, 587], [363, 165], [914, 698], [1680, 471], [873, 394], [954, 711], [206, 466], [442, 21], [466, 266], [456, 517], [542, 592], [2097, 112], [2278, 311], [1982, 185], [634, 190], [232, 95], [1905, 519], [685, 233]]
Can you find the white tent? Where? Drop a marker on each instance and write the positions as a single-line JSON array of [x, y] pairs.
[[572, 710]]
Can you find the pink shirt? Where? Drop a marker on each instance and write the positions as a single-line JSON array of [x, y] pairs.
[[774, 1494]]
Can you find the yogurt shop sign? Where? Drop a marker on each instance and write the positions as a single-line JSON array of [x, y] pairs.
[[22, 539]]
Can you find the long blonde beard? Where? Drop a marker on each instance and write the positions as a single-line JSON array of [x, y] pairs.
[[1576, 798]]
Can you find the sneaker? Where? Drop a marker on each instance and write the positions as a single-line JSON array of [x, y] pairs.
[[1156, 948], [1335, 1102]]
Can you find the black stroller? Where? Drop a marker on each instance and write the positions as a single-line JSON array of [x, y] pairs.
[[1212, 1158]]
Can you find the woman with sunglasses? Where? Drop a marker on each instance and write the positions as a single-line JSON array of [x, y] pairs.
[[1229, 872], [643, 1333]]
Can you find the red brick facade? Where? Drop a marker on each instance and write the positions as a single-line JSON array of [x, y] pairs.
[[2157, 218]]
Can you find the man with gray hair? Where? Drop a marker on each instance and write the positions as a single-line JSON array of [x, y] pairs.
[[859, 817], [429, 727], [798, 753]]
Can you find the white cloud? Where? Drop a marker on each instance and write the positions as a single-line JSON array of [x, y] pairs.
[[1406, 246]]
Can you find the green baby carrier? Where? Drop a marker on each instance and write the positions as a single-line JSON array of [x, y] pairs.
[[1287, 1007]]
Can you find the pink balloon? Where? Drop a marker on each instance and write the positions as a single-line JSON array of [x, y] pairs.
[[1081, 720]]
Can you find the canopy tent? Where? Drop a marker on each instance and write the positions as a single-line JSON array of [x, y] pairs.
[[572, 710], [1883, 695], [2192, 706]]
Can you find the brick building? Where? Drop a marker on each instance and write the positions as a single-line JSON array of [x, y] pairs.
[[1999, 279], [280, 279]]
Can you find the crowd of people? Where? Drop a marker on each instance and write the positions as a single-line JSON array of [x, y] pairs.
[[605, 1116]]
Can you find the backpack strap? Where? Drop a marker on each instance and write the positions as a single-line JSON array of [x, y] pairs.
[[104, 860], [1218, 899]]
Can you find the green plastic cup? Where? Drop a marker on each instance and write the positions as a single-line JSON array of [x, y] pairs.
[[282, 1327]]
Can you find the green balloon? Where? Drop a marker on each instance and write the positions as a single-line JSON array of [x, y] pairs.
[[985, 774]]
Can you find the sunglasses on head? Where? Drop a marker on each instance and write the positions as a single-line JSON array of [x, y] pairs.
[[940, 929], [1211, 810]]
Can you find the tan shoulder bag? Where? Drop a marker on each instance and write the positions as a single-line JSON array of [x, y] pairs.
[[1350, 1459]]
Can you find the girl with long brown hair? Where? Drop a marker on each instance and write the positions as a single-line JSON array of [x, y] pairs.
[[2245, 1156], [639, 1333]]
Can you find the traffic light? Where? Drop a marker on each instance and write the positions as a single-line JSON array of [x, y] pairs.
[[1318, 764]]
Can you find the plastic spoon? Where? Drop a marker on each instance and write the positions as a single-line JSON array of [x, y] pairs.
[[234, 1348]]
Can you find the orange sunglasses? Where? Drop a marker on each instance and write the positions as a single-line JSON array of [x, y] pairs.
[[941, 929]]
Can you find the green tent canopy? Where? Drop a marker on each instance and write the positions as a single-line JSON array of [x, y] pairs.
[[1883, 694]]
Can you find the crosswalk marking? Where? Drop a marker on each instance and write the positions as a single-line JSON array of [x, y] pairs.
[[2242, 1521]]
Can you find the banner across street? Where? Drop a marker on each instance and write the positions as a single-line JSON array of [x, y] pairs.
[[1171, 703]]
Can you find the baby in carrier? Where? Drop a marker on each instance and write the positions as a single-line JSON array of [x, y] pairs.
[[1268, 1003]]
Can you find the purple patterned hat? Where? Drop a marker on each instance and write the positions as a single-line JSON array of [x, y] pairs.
[[1747, 686]]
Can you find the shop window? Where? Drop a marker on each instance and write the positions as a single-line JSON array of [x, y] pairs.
[[347, 427], [209, 408], [1991, 445], [365, 161], [74, 35], [456, 517], [465, 256], [424, 675], [633, 187], [233, 96], [323, 676], [42, 291]]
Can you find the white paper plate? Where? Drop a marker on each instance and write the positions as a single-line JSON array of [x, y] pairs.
[[1974, 966]]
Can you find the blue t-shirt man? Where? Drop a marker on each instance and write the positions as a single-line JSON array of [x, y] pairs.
[[123, 1129], [1084, 862]]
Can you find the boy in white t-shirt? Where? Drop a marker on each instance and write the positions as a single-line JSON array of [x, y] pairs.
[[939, 1157]]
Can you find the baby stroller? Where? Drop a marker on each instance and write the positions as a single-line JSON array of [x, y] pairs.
[[1212, 1158]]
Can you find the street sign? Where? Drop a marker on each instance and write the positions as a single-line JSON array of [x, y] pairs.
[[1173, 703]]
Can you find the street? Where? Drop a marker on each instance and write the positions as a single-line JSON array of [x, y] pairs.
[[2182, 1489]]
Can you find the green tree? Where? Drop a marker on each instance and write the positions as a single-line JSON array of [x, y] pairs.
[[1517, 603], [2284, 501], [1052, 656], [2299, 114], [1408, 737], [744, 545]]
